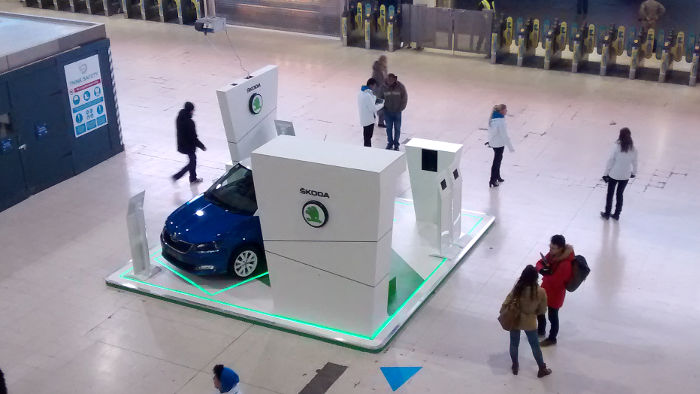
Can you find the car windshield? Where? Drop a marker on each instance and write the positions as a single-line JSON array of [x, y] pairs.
[[234, 191]]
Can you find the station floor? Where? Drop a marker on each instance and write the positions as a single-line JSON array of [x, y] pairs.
[[631, 328]]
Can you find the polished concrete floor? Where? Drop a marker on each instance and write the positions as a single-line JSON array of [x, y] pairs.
[[631, 328]]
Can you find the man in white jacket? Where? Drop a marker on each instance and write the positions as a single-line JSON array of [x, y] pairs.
[[368, 107]]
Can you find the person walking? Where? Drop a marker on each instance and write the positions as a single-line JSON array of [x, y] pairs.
[[379, 73], [395, 101], [621, 166], [556, 271], [367, 106], [532, 301], [582, 7], [225, 379], [498, 140], [187, 142]]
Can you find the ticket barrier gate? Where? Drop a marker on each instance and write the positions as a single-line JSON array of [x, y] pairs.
[[46, 4], [584, 46], [612, 46], [103, 7], [642, 52], [501, 39], [168, 10], [355, 24], [556, 40], [694, 65], [382, 14], [528, 40], [191, 10], [62, 5], [93, 7], [672, 58]]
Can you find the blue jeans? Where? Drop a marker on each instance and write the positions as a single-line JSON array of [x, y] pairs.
[[393, 128], [534, 345]]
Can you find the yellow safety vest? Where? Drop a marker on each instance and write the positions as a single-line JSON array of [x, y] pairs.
[[488, 5]]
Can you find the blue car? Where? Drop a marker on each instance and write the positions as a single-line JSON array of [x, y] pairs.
[[217, 232]]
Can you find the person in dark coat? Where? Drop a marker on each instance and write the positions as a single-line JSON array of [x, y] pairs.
[[187, 142]]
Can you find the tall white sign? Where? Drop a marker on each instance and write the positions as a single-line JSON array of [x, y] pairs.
[[248, 110], [86, 95]]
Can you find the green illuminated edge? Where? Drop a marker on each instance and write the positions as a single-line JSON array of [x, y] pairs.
[[124, 276], [154, 255], [159, 260]]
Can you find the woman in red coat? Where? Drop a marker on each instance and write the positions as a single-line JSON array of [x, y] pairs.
[[556, 272]]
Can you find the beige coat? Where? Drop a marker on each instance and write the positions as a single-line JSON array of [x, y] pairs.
[[650, 12], [530, 307]]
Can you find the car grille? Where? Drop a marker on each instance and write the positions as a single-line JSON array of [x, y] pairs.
[[179, 246]]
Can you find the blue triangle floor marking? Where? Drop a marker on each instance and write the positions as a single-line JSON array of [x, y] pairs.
[[397, 376]]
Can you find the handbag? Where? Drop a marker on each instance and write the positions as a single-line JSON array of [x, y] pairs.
[[509, 316]]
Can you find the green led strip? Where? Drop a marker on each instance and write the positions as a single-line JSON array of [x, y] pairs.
[[374, 335], [155, 254], [481, 219], [159, 260]]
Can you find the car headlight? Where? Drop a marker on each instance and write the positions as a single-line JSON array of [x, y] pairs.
[[206, 247]]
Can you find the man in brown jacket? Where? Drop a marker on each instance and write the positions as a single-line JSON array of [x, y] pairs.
[[395, 101], [650, 12]]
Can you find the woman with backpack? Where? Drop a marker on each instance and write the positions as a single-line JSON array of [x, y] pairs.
[[498, 140], [528, 300], [621, 166]]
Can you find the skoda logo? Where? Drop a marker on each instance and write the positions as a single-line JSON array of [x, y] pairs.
[[314, 214], [256, 103]]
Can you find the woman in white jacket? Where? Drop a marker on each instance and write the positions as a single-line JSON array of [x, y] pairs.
[[498, 140], [621, 166]]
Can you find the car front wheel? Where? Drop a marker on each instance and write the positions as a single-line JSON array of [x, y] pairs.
[[245, 261]]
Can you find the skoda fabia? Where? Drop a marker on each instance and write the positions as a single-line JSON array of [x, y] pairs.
[[218, 232]]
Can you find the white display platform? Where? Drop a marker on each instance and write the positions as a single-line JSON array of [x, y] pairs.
[[414, 265]]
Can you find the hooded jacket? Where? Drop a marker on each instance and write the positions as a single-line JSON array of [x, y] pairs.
[[366, 106], [228, 379], [498, 135], [554, 284], [187, 141]]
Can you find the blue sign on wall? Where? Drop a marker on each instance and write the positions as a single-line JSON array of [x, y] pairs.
[[5, 145], [41, 130]]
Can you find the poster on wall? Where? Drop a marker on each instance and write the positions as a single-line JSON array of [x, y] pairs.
[[86, 95]]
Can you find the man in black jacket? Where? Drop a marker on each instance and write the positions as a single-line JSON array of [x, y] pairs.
[[187, 142]]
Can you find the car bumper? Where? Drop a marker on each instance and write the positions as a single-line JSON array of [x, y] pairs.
[[198, 263]]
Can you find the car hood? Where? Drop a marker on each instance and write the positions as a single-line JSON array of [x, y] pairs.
[[200, 220]]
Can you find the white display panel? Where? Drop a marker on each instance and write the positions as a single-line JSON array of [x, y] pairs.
[[248, 110]]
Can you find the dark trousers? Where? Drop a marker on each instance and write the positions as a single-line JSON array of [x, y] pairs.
[[582, 7], [367, 132], [380, 116], [612, 185], [553, 314], [496, 166], [393, 129], [191, 167]]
